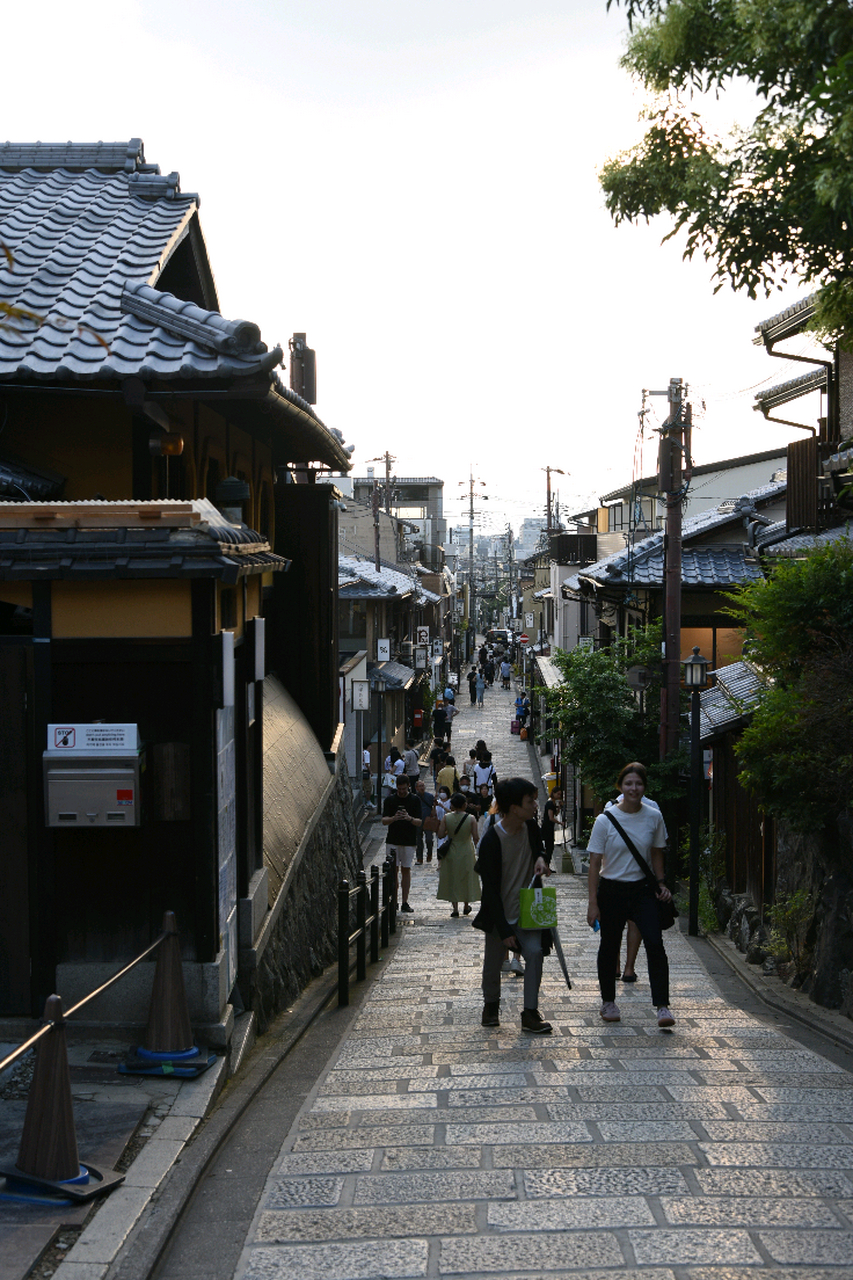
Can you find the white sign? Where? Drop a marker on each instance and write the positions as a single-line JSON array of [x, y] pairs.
[[528, 619], [422, 635], [421, 654], [361, 695], [437, 648], [383, 650], [92, 737]]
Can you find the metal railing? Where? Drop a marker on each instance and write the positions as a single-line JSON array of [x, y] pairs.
[[374, 924], [169, 927]]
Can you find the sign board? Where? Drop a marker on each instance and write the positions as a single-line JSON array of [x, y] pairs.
[[422, 635], [361, 695], [87, 738], [383, 650], [437, 648], [528, 619], [421, 655], [523, 638]]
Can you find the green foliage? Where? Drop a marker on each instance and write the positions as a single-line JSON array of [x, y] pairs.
[[772, 198], [712, 869], [789, 919], [600, 721], [797, 752]]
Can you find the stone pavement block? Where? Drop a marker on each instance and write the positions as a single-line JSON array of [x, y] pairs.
[[610, 1212], [153, 1162], [409, 1188], [778, 1155], [821, 1097], [508, 1090], [588, 1092], [489, 1134], [773, 1182], [634, 1112], [304, 1193], [325, 1119], [391, 1259], [815, 1247], [385, 1222], [750, 1273], [746, 1211], [398, 1158], [379, 1136], [772, 1131], [647, 1131], [345, 1161], [841, 1113], [467, 1255], [593, 1155], [683, 1248], [845, 1207], [385, 1101], [558, 1183]]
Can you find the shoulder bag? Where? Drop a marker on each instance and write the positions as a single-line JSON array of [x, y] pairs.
[[667, 911]]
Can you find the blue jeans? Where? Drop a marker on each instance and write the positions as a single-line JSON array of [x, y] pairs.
[[618, 902]]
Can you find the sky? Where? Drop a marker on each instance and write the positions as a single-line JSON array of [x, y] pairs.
[[414, 186]]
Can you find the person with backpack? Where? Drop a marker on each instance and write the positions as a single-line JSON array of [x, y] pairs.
[[485, 773]]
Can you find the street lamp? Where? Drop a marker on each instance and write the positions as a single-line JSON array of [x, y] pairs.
[[550, 471], [695, 679]]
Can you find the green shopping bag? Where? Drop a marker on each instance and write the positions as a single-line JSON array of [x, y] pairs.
[[538, 907]]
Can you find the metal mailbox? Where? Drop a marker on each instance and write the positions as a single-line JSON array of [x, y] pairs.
[[92, 776]]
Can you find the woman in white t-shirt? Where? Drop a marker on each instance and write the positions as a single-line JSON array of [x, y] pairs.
[[619, 890]]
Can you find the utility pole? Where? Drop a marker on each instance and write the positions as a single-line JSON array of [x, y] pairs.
[[472, 591], [387, 458], [557, 472], [672, 475]]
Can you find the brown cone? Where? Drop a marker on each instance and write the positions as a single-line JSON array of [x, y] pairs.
[[169, 1029], [49, 1142]]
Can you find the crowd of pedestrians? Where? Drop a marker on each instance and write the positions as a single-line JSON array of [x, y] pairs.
[[489, 844]]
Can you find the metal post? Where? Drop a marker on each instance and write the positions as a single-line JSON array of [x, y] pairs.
[[696, 780], [385, 895], [374, 914], [343, 943], [361, 931]]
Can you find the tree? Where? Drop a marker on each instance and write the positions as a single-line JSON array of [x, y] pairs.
[[775, 197], [600, 721], [797, 753]]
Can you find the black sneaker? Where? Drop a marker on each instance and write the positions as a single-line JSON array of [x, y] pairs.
[[407, 908], [490, 1014], [534, 1024]]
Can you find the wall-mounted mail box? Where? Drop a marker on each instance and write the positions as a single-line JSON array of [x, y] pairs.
[[92, 775]]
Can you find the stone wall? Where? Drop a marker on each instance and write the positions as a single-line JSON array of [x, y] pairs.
[[311, 843], [822, 864]]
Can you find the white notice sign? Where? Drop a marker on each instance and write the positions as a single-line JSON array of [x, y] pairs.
[[87, 738]]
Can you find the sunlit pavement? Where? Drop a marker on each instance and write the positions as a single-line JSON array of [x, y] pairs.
[[722, 1150]]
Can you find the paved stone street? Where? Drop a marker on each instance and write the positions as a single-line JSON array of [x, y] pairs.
[[722, 1150]]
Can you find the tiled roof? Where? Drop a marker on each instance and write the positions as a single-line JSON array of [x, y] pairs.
[[800, 544], [785, 392], [358, 579], [93, 541], [395, 675], [711, 564], [91, 229], [786, 323], [731, 701]]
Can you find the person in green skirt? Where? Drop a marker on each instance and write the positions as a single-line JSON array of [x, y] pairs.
[[457, 879]]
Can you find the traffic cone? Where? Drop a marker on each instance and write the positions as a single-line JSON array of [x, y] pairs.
[[168, 1049], [48, 1168], [48, 1142]]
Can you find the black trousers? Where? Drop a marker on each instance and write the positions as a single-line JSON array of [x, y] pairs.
[[618, 902]]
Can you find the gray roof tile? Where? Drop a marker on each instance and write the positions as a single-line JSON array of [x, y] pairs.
[[710, 564], [730, 702]]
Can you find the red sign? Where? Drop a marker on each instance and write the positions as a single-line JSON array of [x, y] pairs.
[[523, 638]]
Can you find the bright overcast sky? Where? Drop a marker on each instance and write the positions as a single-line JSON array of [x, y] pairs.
[[413, 184]]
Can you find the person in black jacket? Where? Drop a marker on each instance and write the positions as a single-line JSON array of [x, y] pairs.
[[510, 854]]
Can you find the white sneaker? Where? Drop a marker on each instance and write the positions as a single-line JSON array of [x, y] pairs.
[[665, 1018], [506, 967], [515, 965], [610, 1012]]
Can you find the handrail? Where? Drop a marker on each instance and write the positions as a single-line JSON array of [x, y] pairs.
[[376, 925], [50, 1023]]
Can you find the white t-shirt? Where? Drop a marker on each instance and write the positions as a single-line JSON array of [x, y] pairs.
[[645, 828]]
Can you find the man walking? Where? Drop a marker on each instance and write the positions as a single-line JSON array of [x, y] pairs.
[[401, 814], [510, 854], [427, 800], [411, 765]]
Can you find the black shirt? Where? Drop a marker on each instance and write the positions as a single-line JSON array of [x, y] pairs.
[[402, 832]]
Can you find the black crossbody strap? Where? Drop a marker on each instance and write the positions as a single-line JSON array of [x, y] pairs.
[[630, 843]]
